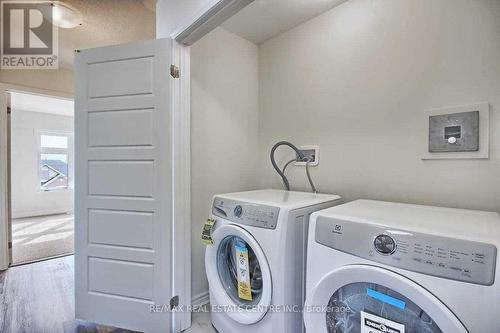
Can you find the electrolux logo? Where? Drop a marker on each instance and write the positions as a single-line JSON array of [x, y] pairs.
[[337, 229], [29, 39]]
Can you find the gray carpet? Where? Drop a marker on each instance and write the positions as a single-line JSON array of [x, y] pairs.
[[40, 237]]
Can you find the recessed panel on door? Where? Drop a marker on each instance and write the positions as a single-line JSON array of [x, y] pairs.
[[121, 77], [121, 178], [136, 227], [121, 128], [123, 278]]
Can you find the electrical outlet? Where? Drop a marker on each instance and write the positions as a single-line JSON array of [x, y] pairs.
[[308, 151]]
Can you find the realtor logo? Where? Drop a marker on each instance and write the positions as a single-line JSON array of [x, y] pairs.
[[29, 39]]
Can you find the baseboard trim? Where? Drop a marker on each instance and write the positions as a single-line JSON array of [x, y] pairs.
[[202, 298], [42, 259], [39, 214]]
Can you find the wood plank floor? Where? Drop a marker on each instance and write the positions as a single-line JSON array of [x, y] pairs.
[[39, 298]]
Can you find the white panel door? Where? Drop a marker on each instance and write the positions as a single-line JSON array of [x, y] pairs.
[[123, 189]]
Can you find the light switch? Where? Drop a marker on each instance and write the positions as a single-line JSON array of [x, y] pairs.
[[455, 132]]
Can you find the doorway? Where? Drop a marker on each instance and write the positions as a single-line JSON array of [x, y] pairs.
[[41, 177]]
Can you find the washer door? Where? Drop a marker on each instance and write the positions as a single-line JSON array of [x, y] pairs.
[[221, 266], [344, 297]]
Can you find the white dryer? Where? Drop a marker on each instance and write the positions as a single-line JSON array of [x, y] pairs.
[[269, 228], [387, 267]]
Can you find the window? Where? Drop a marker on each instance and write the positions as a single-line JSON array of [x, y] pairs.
[[55, 159]]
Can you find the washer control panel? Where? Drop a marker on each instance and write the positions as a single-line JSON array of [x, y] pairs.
[[255, 215], [446, 257]]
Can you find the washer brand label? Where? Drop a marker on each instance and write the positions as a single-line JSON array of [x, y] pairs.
[[374, 324]]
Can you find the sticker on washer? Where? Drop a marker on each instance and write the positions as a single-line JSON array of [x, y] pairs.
[[244, 287], [375, 324], [206, 233]]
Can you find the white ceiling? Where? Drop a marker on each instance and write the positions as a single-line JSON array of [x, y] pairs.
[[44, 104], [106, 22], [264, 19]]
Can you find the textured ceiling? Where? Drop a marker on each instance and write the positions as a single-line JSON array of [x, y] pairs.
[[264, 19], [106, 22]]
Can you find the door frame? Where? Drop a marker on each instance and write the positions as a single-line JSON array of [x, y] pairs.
[[5, 89], [181, 156], [183, 37]]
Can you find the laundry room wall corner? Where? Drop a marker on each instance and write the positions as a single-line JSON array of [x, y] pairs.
[[224, 130]]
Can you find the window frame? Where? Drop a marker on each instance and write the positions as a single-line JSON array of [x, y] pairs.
[[62, 151]]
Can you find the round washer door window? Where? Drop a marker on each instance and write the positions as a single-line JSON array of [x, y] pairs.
[[355, 298], [229, 261], [236, 257], [360, 305]]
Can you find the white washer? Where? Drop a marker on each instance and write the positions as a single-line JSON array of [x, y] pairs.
[[272, 225], [414, 269]]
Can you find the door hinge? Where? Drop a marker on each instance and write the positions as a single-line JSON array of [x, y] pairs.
[[9, 111], [174, 302], [10, 245], [174, 71]]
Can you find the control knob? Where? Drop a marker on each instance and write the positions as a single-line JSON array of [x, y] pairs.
[[238, 211], [384, 244]]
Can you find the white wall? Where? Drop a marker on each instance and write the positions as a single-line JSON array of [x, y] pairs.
[[224, 130], [27, 199], [356, 81], [61, 80]]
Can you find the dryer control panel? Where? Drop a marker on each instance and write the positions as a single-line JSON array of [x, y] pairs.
[[445, 257], [255, 215]]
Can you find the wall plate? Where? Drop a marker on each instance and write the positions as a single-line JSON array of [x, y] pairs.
[[309, 149], [454, 132], [441, 124]]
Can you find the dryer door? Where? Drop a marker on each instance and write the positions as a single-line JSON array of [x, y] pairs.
[[362, 298], [223, 260]]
